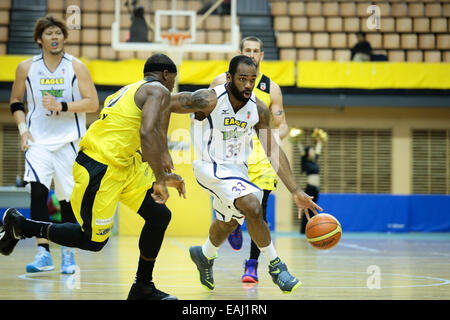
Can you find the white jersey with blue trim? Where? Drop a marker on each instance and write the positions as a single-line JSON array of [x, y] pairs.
[[48, 128], [225, 136]]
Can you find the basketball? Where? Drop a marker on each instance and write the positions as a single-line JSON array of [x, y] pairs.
[[323, 231]]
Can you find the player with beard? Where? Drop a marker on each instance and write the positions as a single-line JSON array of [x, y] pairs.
[[260, 170], [223, 122]]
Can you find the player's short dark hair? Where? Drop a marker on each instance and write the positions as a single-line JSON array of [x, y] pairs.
[[252, 38], [236, 61], [159, 62], [48, 21]]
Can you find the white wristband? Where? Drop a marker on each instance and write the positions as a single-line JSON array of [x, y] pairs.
[[22, 128]]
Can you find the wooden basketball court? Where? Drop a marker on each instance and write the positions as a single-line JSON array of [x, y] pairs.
[[362, 267]]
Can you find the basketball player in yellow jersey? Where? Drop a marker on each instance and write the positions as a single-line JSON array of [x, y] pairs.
[[260, 170], [123, 157]]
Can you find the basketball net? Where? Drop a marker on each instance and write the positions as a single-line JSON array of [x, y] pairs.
[[175, 39]]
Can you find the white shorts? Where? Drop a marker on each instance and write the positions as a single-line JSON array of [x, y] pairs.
[[43, 165], [225, 184]]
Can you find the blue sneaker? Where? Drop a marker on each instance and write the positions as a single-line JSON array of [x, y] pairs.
[[251, 271], [42, 262], [68, 265], [235, 238]]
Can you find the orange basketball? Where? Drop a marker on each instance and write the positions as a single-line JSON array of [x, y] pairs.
[[323, 231]]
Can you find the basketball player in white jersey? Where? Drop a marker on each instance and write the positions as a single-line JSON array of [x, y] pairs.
[[59, 93], [223, 122], [260, 172]]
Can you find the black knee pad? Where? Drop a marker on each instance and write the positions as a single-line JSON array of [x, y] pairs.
[[88, 244], [162, 216], [67, 214], [39, 191], [38, 203], [71, 235]]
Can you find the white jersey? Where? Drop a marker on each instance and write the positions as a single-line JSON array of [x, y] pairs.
[[48, 128], [225, 136]]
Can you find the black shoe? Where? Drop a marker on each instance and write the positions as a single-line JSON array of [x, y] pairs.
[[281, 276], [10, 232], [204, 266], [148, 291]]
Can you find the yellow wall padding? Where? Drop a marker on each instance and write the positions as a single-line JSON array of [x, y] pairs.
[[119, 73], [204, 72], [303, 74], [8, 66], [373, 75]]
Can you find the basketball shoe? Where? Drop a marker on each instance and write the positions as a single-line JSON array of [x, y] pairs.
[[251, 271], [10, 232], [281, 276], [68, 265], [148, 291], [204, 266], [42, 262], [235, 238]]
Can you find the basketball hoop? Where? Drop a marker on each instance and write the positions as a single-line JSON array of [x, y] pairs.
[[175, 39]]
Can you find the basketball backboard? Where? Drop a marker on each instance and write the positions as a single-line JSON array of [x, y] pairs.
[[200, 28]]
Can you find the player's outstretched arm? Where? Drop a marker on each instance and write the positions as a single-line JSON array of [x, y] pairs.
[[203, 100], [280, 162]]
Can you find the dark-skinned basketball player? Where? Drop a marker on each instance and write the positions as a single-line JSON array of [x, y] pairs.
[[123, 157]]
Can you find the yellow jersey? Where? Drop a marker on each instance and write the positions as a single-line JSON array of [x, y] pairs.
[[114, 138], [260, 170]]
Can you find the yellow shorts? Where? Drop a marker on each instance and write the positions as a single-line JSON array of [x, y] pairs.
[[99, 187]]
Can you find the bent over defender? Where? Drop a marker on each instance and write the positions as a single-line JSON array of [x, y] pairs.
[[109, 168], [223, 121]]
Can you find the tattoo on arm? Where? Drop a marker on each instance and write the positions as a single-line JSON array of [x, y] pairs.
[[279, 113], [185, 99], [198, 100]]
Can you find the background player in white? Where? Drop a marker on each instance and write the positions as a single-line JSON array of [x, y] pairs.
[[59, 93], [260, 170], [223, 122]]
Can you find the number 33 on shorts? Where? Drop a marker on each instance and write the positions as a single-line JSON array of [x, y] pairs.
[[238, 188]]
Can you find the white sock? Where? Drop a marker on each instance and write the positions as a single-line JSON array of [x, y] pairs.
[[269, 252], [209, 250]]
